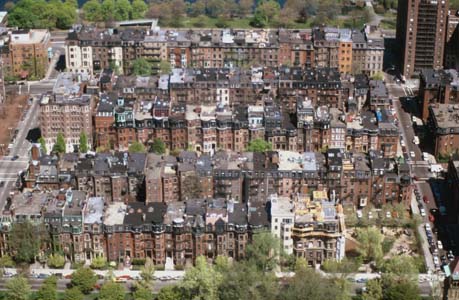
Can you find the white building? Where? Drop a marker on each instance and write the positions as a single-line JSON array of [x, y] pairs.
[[282, 217]]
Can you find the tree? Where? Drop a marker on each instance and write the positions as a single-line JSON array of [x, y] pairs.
[[83, 142], [123, 10], [111, 291], [165, 67], [258, 145], [98, 262], [108, 10], [370, 240], [9, 5], [329, 9], [169, 293], [84, 280], [315, 287], [400, 266], [142, 293], [244, 280], [192, 187], [373, 291], [202, 281], [56, 261], [92, 11], [137, 147], [263, 251], [142, 67], [48, 289], [59, 146], [267, 12], [139, 8], [399, 289], [246, 7], [158, 147], [18, 288], [73, 294], [25, 241], [6, 261], [378, 76], [42, 142]]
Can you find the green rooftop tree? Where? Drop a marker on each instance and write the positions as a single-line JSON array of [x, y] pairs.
[[42, 142], [137, 147], [158, 147]]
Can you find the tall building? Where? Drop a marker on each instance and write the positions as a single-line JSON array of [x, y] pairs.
[[421, 26]]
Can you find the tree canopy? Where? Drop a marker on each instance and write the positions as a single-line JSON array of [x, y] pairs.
[[84, 280], [43, 148], [73, 294], [25, 241], [56, 261], [258, 145], [30, 14], [142, 67], [18, 288], [158, 146], [83, 142], [370, 240], [48, 289], [111, 291], [137, 147], [60, 146]]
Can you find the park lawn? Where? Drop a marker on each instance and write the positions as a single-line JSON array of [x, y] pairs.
[[239, 23]]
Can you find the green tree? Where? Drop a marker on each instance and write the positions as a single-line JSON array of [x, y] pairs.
[[165, 67], [400, 266], [56, 261], [111, 291], [258, 145], [169, 292], [158, 147], [263, 251], [400, 289], [17, 288], [267, 12], [137, 147], [59, 146], [25, 241], [244, 280], [83, 142], [84, 280], [92, 11], [373, 291], [315, 287], [139, 8], [123, 10], [42, 142], [370, 240], [108, 10], [142, 293], [202, 281], [142, 67], [378, 76], [246, 7], [6, 261], [48, 289], [73, 294], [99, 262]]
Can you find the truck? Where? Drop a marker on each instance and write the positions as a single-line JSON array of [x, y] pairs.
[[416, 140]]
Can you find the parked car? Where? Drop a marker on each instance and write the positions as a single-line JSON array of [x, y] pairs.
[[427, 226], [412, 154], [436, 261], [2, 184], [422, 211], [370, 215], [450, 255], [359, 214], [388, 215], [120, 279], [15, 157], [440, 245], [425, 199], [431, 218]]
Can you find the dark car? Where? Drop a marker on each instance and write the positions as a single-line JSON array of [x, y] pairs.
[[15, 157], [2, 184]]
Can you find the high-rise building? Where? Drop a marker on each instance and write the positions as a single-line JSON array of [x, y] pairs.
[[421, 26]]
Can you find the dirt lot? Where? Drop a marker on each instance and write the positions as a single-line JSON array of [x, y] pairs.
[[10, 114]]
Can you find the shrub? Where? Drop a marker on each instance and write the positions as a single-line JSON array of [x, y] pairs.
[[56, 261], [138, 261], [99, 263]]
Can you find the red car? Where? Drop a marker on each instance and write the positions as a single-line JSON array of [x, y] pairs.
[[426, 200], [431, 218]]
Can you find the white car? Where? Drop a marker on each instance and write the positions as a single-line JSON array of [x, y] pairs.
[[422, 211], [388, 214], [402, 142], [412, 154], [440, 245], [428, 228], [436, 261], [370, 215], [359, 214]]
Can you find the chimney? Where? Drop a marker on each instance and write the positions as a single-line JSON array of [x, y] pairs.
[[35, 151]]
